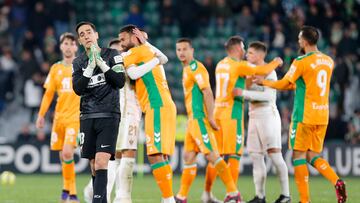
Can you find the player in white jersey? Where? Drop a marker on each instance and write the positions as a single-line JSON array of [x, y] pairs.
[[120, 171], [264, 129]]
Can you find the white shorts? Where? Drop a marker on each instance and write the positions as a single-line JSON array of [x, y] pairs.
[[264, 132], [129, 130]]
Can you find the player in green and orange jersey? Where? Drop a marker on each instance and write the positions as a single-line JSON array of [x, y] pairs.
[[199, 102], [231, 73], [66, 121], [154, 96], [310, 75]]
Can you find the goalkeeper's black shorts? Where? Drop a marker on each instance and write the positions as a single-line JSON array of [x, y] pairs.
[[98, 135]]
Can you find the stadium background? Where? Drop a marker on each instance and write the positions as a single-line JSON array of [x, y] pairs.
[[30, 29]]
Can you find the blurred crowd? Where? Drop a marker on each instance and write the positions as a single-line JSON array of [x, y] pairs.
[[30, 29]]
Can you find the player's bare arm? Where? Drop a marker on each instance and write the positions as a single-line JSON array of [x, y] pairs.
[[209, 104]]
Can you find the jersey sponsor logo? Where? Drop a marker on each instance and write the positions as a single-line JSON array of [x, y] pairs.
[[157, 137], [97, 80], [104, 146], [316, 106]]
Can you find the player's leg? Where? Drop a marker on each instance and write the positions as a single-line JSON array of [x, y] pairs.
[[256, 153], [324, 168], [88, 192], [233, 144], [105, 149], [127, 143], [299, 141], [210, 149], [56, 144], [68, 150], [189, 158], [210, 173], [87, 144], [188, 175], [270, 136], [124, 176], [160, 126]]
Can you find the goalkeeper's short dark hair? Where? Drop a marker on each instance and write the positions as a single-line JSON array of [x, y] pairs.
[[84, 23], [234, 40], [114, 41], [128, 28], [67, 35], [310, 34], [184, 39], [257, 45]]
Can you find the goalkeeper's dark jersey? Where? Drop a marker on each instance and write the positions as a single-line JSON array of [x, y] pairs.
[[100, 93]]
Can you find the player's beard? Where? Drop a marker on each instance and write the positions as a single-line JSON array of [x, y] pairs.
[[128, 46]]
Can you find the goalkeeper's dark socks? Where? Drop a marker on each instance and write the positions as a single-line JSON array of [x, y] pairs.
[[93, 181], [100, 186]]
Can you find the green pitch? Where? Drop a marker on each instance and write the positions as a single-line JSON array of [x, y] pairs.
[[46, 189]]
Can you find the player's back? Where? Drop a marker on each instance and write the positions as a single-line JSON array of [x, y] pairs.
[[152, 89], [227, 78], [59, 80], [311, 103]]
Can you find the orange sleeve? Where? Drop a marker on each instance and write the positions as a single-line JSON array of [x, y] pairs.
[[201, 77], [246, 69], [50, 83], [282, 84], [294, 72], [46, 101]]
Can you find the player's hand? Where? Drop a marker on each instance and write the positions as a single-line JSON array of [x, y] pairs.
[[100, 62], [40, 122], [237, 92], [92, 62], [213, 124], [139, 35], [258, 80], [279, 60]]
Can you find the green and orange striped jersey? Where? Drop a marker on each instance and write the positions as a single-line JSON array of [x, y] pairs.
[[311, 73], [195, 78], [151, 89]]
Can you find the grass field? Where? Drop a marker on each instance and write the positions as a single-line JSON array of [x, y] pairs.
[[46, 189]]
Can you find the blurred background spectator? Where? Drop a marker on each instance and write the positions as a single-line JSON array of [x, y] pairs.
[[30, 29]]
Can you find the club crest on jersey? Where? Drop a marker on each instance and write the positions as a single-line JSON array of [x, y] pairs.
[[193, 65]]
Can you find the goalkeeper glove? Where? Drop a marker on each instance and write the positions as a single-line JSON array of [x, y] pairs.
[[89, 70], [100, 62]]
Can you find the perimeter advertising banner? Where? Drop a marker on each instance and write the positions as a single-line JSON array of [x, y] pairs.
[[37, 158]]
